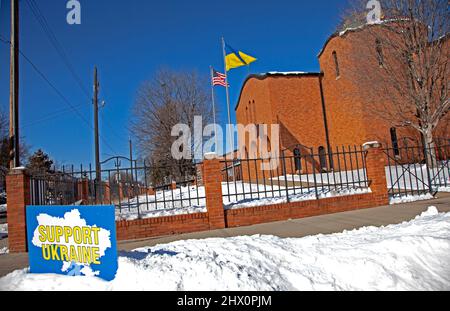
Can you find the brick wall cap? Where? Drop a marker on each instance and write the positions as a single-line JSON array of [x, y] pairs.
[[210, 156], [371, 145], [18, 170]]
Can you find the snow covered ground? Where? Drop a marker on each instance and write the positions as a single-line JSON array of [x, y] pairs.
[[409, 256], [410, 198]]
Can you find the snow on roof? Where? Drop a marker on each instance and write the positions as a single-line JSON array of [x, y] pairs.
[[287, 73], [352, 29], [381, 22]]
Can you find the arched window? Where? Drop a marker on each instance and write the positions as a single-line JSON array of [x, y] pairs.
[[394, 140], [336, 63], [379, 49], [323, 158], [269, 144], [298, 159]]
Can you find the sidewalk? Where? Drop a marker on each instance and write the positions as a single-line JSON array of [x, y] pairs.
[[325, 224]]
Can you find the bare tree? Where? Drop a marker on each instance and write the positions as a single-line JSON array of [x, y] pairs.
[[170, 98], [403, 62]]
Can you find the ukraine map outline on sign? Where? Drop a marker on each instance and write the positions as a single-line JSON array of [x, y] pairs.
[[69, 241]]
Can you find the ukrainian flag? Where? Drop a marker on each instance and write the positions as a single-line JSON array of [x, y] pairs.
[[236, 59]]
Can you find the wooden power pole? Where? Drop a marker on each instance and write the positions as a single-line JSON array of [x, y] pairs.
[[14, 152], [98, 174]]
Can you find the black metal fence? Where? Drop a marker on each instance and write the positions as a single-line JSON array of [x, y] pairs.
[[418, 169], [132, 189], [298, 174], [53, 189]]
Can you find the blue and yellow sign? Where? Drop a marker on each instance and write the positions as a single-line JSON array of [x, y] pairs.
[[72, 240]]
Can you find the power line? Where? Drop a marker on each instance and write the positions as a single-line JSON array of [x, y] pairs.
[[56, 44], [63, 97], [59, 93], [50, 116], [60, 50]]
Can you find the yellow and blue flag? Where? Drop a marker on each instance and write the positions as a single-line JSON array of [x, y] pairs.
[[236, 59]]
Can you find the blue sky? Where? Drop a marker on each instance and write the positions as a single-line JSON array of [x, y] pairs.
[[129, 41]]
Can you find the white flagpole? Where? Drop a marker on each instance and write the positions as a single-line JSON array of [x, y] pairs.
[[228, 97], [228, 106], [214, 108]]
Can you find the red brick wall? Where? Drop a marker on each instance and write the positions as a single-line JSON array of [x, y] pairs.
[[303, 209], [162, 226], [362, 89], [18, 189], [293, 101]]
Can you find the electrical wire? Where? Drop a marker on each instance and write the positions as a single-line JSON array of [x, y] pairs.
[[59, 93], [60, 50], [55, 43]]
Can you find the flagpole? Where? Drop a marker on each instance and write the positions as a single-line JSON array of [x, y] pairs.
[[228, 94], [228, 107], [214, 108]]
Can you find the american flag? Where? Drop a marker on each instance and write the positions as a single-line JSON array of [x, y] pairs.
[[219, 79]]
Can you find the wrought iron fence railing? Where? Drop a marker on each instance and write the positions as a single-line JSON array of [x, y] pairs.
[[133, 190], [53, 189], [300, 174], [418, 169]]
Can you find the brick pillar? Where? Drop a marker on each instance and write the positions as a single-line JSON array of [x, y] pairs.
[[199, 177], [107, 192], [151, 191], [121, 194], [212, 179], [376, 172], [83, 191], [18, 193]]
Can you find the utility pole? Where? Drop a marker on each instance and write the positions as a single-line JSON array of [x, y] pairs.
[[98, 174], [14, 158]]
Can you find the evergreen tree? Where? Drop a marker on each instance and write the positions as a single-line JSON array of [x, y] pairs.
[[39, 163]]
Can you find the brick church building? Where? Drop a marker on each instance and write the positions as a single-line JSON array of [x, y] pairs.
[[326, 108]]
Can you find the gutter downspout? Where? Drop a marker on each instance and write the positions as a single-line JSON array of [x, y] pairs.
[[325, 120]]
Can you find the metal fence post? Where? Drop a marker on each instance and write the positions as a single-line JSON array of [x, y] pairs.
[[285, 178], [314, 173]]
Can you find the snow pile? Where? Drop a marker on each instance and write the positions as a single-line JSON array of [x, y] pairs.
[[3, 251], [287, 73], [410, 198], [409, 256], [3, 208], [432, 211]]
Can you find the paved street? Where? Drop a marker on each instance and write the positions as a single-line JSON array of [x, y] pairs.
[[286, 229]]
